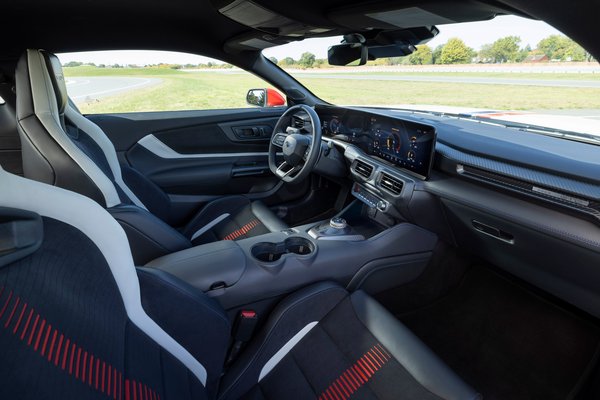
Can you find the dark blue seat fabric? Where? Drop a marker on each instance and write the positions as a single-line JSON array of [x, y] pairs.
[[65, 332]]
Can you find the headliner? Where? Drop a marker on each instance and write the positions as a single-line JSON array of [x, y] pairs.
[[195, 26]]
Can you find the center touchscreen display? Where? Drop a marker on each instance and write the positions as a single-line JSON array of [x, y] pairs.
[[406, 144]]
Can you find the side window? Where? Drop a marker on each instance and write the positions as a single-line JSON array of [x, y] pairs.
[[136, 81]]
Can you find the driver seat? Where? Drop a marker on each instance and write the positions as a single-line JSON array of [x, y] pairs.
[[61, 147]]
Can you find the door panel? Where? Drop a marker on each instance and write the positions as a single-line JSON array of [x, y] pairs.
[[204, 174], [124, 130], [197, 156]]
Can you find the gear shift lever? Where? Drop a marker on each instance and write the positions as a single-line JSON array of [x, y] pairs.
[[335, 229], [338, 223]]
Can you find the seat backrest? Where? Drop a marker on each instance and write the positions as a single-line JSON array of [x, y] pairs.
[[60, 146], [72, 324]]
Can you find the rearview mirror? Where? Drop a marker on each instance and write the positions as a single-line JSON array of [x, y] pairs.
[[347, 53], [265, 98]]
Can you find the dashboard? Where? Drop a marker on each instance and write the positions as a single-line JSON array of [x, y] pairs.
[[405, 144]]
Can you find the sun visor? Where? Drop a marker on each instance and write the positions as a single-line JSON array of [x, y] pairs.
[[255, 16], [390, 17]]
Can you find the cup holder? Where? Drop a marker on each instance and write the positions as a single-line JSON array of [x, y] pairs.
[[271, 252]]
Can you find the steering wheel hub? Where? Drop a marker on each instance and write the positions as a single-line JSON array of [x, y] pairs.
[[294, 147], [300, 151]]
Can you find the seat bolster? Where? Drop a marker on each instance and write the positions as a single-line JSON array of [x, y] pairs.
[[190, 317], [409, 351], [291, 316], [214, 209], [149, 236], [266, 216]]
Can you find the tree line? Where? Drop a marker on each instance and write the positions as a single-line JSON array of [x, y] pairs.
[[455, 51]]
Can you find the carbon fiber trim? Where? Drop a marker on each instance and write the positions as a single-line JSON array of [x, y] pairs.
[[584, 189]]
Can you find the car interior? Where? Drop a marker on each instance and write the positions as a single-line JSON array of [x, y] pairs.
[[295, 250]]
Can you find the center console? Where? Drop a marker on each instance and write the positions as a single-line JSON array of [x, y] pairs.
[[352, 248]]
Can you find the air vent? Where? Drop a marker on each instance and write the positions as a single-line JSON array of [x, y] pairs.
[[297, 122], [391, 184], [363, 169]]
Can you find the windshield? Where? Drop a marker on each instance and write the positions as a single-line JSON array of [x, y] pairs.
[[507, 69]]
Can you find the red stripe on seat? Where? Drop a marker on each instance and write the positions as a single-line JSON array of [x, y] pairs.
[[66, 353], [90, 370], [77, 362], [243, 230], [108, 386], [20, 318], [97, 373], [127, 396], [84, 368], [6, 304], [351, 380], [39, 335], [37, 318], [103, 376], [51, 339], [26, 324], [51, 350], [58, 348]]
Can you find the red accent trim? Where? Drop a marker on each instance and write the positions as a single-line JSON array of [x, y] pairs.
[[20, 318], [48, 329], [108, 386], [103, 375], [37, 317], [99, 381], [84, 368], [54, 334], [127, 389], [26, 324], [115, 385], [97, 373], [347, 384], [6, 304], [12, 312], [248, 314], [351, 380], [243, 230], [63, 366], [59, 346], [39, 335], [340, 389], [91, 370], [77, 363]]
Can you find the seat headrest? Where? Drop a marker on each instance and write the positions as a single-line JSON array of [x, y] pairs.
[[40, 84], [58, 79]]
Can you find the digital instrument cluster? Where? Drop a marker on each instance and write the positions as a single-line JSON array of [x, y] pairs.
[[406, 144]]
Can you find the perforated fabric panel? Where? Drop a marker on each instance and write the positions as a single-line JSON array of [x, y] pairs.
[[64, 332]]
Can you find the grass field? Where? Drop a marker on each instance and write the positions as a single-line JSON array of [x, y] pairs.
[[213, 90]]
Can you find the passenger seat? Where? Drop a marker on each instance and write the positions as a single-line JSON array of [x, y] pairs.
[[78, 321]]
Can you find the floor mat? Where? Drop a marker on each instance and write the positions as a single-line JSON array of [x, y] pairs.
[[505, 341]]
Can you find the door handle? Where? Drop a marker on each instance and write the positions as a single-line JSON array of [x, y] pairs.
[[256, 170]]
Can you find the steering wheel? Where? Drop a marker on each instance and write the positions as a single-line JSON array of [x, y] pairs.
[[300, 151]]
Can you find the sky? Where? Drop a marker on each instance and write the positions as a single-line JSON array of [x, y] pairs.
[[474, 34]]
